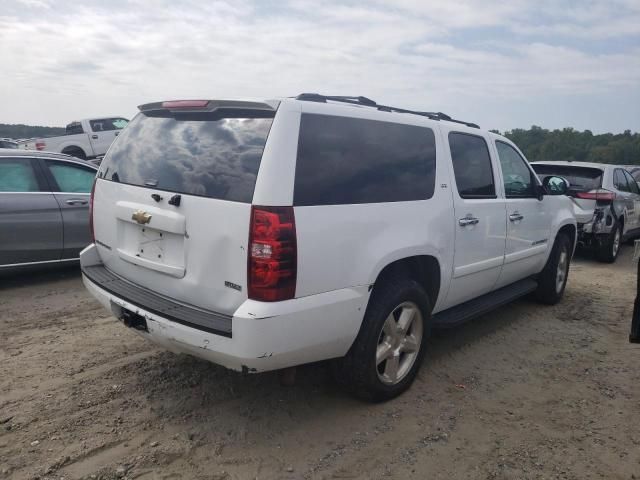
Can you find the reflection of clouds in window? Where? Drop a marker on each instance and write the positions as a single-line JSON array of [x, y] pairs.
[[213, 158]]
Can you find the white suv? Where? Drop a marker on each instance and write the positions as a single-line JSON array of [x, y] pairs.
[[264, 235]]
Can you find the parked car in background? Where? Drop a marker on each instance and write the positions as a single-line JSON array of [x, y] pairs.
[[607, 203], [8, 143], [44, 207], [263, 235], [84, 139]]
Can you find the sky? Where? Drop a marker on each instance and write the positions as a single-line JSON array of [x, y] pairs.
[[502, 64]]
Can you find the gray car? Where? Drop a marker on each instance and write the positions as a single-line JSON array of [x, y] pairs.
[[606, 203], [44, 207]]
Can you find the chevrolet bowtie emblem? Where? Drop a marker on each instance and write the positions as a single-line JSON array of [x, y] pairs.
[[141, 217]]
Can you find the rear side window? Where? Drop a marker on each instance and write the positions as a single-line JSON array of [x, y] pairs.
[[344, 160], [71, 178], [620, 181], [633, 186], [74, 128], [17, 175], [472, 166], [196, 154], [581, 179]]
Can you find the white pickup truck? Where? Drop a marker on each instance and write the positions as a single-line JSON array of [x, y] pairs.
[[88, 138]]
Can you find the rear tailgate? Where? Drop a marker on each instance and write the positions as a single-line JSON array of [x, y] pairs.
[[172, 202]]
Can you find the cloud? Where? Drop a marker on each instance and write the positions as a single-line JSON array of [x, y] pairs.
[[78, 60]]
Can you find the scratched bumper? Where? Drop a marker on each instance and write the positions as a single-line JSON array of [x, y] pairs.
[[266, 336], [596, 231]]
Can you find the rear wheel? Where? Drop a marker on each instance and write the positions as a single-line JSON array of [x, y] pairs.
[[386, 356], [553, 279], [608, 251], [75, 152]]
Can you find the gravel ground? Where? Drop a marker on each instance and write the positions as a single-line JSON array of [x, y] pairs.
[[526, 392]]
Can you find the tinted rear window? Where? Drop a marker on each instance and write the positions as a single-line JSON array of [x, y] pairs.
[[345, 160], [195, 155], [581, 179]]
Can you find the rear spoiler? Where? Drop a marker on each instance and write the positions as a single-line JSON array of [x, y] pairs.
[[206, 106]]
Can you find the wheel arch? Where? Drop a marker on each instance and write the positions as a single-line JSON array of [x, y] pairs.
[[73, 148], [424, 269], [571, 231]]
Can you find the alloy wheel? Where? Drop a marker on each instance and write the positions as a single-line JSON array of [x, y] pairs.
[[616, 243], [563, 267], [399, 343]]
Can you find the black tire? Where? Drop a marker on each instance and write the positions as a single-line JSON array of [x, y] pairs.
[[358, 371], [550, 285], [75, 152], [609, 250]]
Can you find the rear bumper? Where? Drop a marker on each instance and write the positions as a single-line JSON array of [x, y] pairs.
[[264, 336], [199, 319]]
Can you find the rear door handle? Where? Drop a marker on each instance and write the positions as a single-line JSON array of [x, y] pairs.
[[468, 220], [76, 201], [95, 137], [515, 217]]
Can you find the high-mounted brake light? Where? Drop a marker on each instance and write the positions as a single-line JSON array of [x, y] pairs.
[[40, 145], [599, 195], [93, 191], [272, 258], [185, 104]]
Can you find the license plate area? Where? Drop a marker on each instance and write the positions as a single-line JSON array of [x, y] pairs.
[[151, 245], [152, 248]]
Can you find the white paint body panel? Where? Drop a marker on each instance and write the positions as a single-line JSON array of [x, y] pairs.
[[341, 251]]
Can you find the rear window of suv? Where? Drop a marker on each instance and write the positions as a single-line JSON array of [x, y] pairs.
[[343, 160], [581, 179], [195, 155]]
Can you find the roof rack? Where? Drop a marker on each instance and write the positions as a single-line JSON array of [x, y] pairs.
[[367, 102]]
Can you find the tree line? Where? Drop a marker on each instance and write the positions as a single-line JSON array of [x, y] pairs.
[[28, 131], [568, 144]]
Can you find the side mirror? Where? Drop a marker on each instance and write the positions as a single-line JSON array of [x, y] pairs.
[[555, 185]]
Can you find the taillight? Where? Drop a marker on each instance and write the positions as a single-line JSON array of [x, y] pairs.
[[600, 195], [272, 256], [40, 145], [93, 191]]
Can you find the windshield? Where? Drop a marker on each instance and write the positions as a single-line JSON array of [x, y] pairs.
[[581, 179], [196, 155]]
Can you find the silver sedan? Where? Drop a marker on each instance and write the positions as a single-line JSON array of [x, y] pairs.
[[44, 207]]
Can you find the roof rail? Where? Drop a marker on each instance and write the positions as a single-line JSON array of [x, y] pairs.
[[367, 102]]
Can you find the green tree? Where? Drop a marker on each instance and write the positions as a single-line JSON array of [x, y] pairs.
[[568, 144]]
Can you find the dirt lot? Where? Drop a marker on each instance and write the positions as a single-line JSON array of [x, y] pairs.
[[525, 392]]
